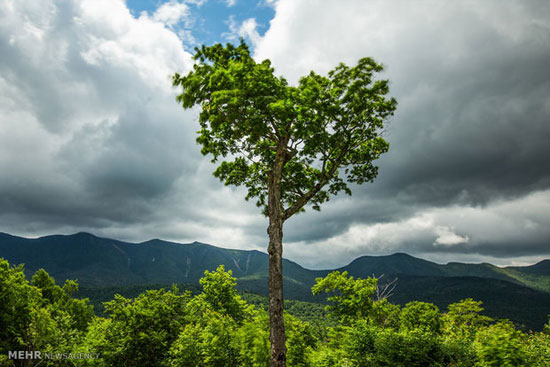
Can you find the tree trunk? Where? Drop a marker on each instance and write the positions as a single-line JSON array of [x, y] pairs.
[[275, 250]]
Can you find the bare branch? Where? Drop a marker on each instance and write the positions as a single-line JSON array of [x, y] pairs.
[[385, 291], [324, 179]]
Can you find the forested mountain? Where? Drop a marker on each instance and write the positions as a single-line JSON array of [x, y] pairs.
[[519, 293], [102, 262]]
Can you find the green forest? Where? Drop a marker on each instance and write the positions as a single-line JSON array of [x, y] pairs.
[[216, 326]]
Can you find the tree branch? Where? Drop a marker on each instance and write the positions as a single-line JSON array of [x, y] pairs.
[[325, 178]]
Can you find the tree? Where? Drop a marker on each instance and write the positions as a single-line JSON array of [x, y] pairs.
[[39, 316], [220, 294], [421, 315], [140, 331], [208, 342], [18, 301], [352, 299], [464, 318], [288, 145], [60, 302], [500, 345]]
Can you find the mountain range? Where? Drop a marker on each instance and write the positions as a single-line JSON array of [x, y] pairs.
[[521, 294]]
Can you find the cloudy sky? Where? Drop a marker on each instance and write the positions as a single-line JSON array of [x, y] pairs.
[[92, 139]]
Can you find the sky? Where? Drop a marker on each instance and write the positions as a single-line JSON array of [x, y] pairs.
[[92, 138]]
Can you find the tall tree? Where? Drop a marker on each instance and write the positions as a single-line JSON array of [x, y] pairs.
[[288, 145]]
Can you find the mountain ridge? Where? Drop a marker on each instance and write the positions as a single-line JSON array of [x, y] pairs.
[[98, 262], [367, 265], [542, 263]]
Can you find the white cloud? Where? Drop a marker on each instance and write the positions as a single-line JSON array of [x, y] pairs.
[[171, 13], [272, 3], [233, 26], [187, 37], [246, 30], [306, 35], [198, 3], [446, 236], [504, 224]]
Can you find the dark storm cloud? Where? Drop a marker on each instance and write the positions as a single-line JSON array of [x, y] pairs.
[[472, 123], [137, 156], [481, 136]]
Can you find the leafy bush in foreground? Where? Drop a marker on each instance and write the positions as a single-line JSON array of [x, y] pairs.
[[218, 328]]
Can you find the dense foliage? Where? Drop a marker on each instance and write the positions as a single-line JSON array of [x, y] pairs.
[[217, 327], [326, 130]]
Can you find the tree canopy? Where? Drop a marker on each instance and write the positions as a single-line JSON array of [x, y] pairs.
[[319, 126]]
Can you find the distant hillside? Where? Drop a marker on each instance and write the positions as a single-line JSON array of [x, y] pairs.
[[534, 276], [501, 299], [519, 293], [102, 262]]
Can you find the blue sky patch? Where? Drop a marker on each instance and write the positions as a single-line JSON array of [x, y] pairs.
[[211, 21]]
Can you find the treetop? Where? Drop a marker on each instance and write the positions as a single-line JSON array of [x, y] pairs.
[[327, 129]]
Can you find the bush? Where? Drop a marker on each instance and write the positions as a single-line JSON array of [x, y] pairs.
[[500, 345]]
